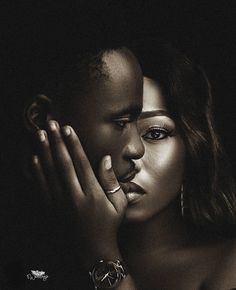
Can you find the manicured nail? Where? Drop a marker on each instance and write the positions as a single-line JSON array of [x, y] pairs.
[[107, 162], [66, 130], [35, 159], [53, 125], [41, 135]]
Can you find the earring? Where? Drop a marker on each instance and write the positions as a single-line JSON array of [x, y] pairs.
[[182, 200]]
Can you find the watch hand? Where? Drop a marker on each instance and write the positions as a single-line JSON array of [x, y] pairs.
[[107, 274]]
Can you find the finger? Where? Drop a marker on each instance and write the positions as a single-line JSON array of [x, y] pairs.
[[40, 179], [81, 163], [63, 160], [48, 165], [109, 184]]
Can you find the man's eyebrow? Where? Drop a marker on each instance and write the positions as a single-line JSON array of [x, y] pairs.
[[154, 113], [134, 110]]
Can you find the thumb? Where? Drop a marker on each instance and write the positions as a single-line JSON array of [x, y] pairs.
[[111, 185]]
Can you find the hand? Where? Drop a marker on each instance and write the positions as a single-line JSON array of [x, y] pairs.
[[65, 175]]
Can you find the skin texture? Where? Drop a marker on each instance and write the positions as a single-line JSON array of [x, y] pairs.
[[175, 255], [105, 119], [172, 253], [160, 171]]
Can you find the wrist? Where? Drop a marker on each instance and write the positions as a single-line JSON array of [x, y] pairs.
[[107, 254]]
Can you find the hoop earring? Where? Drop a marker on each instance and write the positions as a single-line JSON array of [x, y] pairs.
[[182, 200]]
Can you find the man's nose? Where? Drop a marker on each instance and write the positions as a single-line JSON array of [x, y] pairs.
[[135, 147]]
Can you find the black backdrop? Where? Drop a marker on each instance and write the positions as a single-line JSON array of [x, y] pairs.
[[205, 30]]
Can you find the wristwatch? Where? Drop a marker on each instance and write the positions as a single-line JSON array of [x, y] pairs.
[[108, 274]]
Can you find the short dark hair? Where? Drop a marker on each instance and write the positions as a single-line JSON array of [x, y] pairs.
[[73, 76], [209, 187]]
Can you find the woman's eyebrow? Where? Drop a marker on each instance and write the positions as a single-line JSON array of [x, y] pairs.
[[154, 113]]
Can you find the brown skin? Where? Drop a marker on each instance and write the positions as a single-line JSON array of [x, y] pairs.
[[166, 251], [171, 252], [175, 255], [105, 118], [96, 215], [107, 123]]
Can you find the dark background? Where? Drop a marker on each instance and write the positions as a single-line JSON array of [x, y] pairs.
[[204, 30]]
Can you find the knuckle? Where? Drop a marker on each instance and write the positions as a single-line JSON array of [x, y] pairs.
[[95, 201], [65, 163], [94, 198], [110, 180], [57, 140], [96, 195], [64, 170], [67, 160]]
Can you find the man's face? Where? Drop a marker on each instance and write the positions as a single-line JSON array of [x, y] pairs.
[[105, 119]]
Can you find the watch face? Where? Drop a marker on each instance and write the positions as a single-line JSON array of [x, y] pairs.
[[106, 275]]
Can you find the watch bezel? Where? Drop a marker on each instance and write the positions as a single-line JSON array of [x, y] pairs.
[[118, 268]]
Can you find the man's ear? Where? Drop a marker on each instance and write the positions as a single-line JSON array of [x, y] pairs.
[[37, 113]]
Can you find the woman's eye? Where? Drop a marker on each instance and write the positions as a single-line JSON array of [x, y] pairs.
[[156, 134]]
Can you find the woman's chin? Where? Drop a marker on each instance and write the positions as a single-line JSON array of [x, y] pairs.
[[135, 214]]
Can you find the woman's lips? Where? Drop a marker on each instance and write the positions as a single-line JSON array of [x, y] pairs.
[[132, 191], [133, 197]]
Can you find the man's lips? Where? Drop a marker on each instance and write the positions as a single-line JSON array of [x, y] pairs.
[[128, 177], [132, 187]]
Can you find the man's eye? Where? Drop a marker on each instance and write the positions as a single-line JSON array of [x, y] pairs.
[[156, 134], [122, 123]]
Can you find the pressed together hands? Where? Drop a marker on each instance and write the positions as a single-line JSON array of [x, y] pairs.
[[64, 175]]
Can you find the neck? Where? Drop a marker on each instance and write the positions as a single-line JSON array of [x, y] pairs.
[[163, 231]]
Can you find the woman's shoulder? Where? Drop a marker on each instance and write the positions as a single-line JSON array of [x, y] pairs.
[[210, 265], [207, 266], [223, 275]]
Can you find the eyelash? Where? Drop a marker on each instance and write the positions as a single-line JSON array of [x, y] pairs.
[[160, 130]]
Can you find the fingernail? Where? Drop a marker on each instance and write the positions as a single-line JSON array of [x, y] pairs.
[[108, 162], [35, 159], [41, 135], [53, 125], [66, 130]]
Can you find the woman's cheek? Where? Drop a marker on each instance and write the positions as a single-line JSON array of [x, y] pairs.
[[172, 165], [152, 159], [165, 161]]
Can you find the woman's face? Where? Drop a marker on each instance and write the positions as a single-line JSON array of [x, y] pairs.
[[160, 170]]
